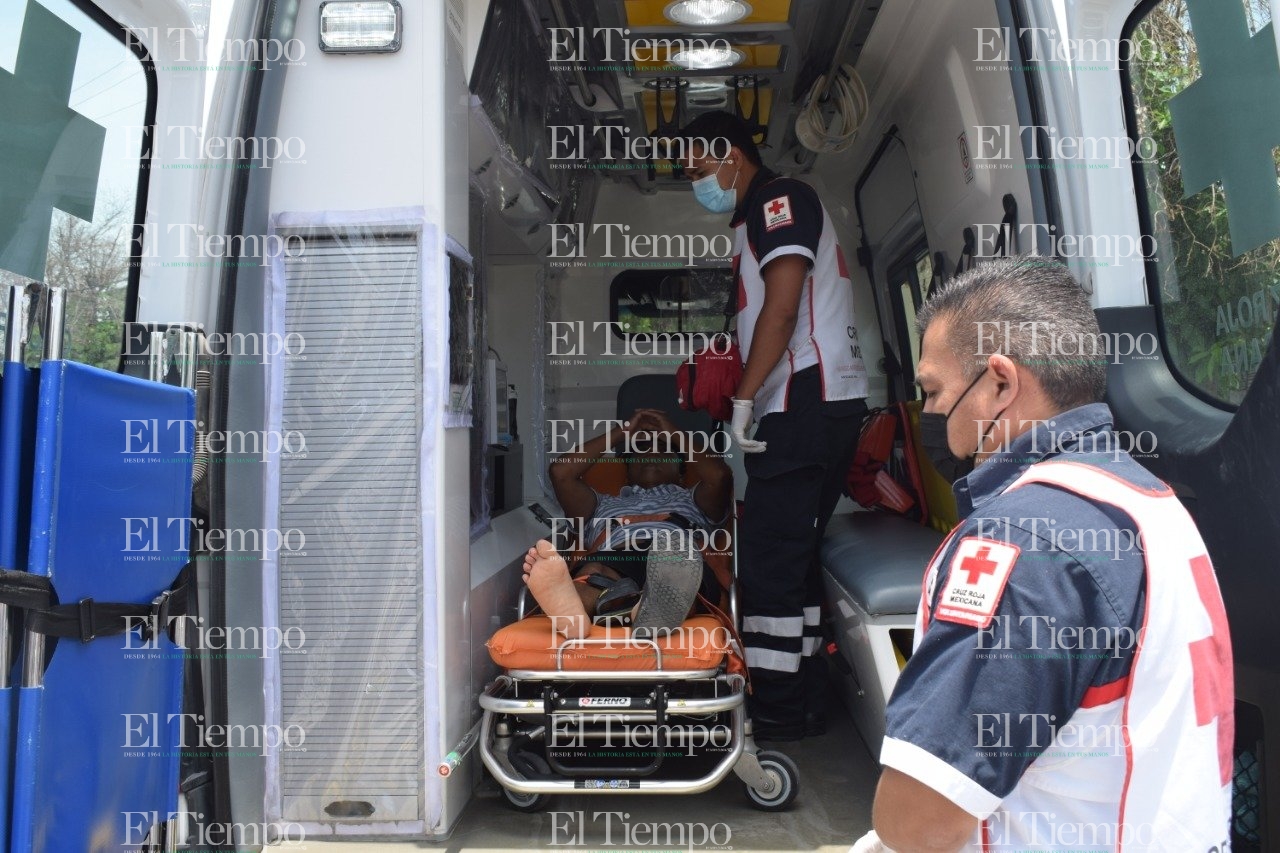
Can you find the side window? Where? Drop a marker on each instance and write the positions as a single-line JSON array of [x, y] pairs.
[[670, 302], [909, 280], [74, 103], [1203, 85]]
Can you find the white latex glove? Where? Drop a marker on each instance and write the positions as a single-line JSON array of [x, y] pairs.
[[742, 417], [869, 843]]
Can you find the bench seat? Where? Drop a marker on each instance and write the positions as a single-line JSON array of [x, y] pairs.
[[879, 560], [873, 566]]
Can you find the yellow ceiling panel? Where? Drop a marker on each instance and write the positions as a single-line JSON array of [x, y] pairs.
[[746, 97], [650, 102], [648, 13], [762, 55]]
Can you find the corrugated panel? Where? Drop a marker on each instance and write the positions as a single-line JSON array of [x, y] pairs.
[[355, 397]]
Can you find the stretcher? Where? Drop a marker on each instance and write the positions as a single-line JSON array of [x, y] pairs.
[[100, 701], [613, 713]]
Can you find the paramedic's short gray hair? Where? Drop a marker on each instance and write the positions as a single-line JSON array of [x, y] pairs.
[[1032, 310]]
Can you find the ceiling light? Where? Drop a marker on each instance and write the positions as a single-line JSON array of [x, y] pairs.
[[707, 58], [703, 13]]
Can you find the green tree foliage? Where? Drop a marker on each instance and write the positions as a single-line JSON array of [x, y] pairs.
[[90, 260], [1219, 308]]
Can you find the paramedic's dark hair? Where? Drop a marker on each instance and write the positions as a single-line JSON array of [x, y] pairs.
[[719, 124], [1031, 309]]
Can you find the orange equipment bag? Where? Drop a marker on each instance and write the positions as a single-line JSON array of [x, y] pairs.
[[885, 473]]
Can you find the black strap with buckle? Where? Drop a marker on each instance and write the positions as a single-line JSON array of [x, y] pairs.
[[88, 619]]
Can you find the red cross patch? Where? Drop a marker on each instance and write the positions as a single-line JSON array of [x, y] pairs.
[[979, 571], [778, 213], [1212, 669]]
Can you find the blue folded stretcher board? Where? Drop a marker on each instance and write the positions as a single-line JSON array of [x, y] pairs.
[[98, 742], [17, 438]]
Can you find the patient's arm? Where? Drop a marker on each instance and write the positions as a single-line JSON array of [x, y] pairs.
[[715, 489], [715, 493], [577, 499]]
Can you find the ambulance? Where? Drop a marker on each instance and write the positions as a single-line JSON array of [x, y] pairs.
[[304, 297]]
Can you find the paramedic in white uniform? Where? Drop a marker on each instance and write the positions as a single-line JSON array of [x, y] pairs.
[[805, 383], [1071, 686]]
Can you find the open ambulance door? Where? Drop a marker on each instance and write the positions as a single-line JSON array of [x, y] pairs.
[[1194, 376]]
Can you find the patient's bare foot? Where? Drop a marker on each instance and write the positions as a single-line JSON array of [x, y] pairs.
[[547, 576]]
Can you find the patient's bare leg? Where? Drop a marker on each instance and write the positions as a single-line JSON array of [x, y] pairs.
[[547, 576]]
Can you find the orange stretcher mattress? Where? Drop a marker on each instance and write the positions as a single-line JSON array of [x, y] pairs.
[[700, 643]]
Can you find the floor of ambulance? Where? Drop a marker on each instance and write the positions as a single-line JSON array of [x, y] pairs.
[[833, 808]]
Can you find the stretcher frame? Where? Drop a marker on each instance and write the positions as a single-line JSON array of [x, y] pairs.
[[770, 778]]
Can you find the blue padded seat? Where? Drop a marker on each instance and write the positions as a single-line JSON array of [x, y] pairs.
[[879, 559]]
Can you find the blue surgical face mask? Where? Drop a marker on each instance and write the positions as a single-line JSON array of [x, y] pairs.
[[714, 197]]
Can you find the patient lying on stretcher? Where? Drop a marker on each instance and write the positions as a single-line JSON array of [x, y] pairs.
[[644, 566]]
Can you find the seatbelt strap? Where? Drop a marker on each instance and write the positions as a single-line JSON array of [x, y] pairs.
[[730, 311], [939, 273], [730, 306], [1007, 242], [966, 252], [733, 634]]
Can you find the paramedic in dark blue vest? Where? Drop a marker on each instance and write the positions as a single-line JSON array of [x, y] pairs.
[[1071, 684], [805, 384]]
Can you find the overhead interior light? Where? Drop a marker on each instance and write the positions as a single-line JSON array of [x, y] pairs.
[[703, 13], [707, 58], [362, 26]]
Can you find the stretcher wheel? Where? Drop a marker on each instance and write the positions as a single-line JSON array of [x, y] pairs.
[[525, 802], [786, 780], [531, 766]]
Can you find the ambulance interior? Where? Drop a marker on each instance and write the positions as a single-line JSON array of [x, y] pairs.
[[462, 178], [929, 177]]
